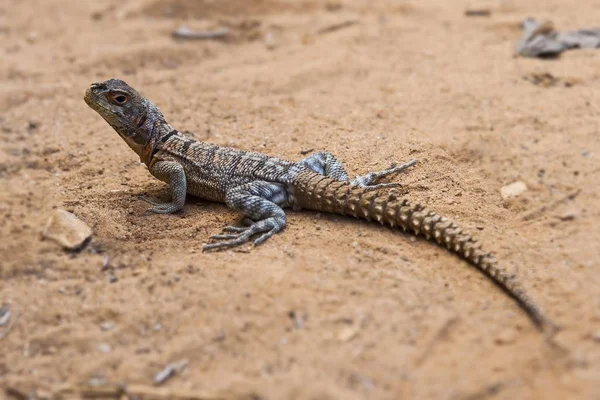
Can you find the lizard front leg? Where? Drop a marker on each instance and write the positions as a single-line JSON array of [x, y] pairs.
[[327, 164], [259, 201], [172, 173]]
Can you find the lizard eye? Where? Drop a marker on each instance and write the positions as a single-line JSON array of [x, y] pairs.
[[118, 98]]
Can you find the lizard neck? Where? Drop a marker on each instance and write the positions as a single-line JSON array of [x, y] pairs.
[[156, 134]]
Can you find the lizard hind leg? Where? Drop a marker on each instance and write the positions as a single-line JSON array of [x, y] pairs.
[[327, 164], [264, 217], [366, 181]]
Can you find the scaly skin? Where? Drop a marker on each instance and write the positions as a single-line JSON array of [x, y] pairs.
[[260, 186]]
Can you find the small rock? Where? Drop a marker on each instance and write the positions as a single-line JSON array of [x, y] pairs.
[[32, 37], [67, 230], [270, 41], [169, 371], [105, 263], [297, 318], [31, 125], [107, 326], [105, 348], [513, 190], [506, 337], [348, 333], [4, 315], [568, 215], [97, 381]]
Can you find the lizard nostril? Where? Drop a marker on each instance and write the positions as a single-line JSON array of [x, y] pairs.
[[97, 85]]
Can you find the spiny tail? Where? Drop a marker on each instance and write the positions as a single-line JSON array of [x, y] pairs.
[[317, 192]]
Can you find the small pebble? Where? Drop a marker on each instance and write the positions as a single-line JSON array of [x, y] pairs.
[[348, 333], [107, 326], [270, 41], [97, 381], [513, 190], [32, 37], [105, 263], [568, 215], [67, 230], [169, 371], [4, 315], [505, 337], [105, 348]]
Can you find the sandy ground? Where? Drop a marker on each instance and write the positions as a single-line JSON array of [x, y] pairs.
[[332, 308]]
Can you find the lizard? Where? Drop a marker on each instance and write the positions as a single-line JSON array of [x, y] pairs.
[[261, 186]]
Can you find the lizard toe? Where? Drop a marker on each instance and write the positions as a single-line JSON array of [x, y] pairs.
[[224, 237], [236, 229], [164, 208], [237, 241], [366, 181], [262, 238], [153, 201]]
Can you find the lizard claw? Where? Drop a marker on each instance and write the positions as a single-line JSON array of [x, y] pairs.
[[236, 229], [222, 237], [365, 181], [241, 235], [231, 240], [164, 208], [158, 207], [153, 201]]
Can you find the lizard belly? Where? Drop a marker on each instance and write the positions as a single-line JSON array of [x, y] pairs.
[[205, 190]]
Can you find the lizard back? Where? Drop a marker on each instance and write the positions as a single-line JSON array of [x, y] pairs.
[[211, 169]]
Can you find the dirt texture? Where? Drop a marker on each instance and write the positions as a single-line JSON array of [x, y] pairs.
[[331, 308]]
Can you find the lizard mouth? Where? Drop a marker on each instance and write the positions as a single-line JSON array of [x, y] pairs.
[[95, 102], [90, 97]]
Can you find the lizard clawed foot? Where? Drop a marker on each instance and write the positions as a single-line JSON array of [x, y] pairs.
[[365, 181], [240, 235], [159, 207], [153, 201], [235, 229]]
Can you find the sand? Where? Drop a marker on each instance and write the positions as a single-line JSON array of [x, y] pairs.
[[331, 308]]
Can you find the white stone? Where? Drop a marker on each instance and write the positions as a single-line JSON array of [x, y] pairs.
[[513, 190], [67, 230]]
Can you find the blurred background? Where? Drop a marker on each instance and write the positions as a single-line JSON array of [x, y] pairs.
[[331, 308]]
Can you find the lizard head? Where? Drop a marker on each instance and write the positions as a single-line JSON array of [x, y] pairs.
[[127, 111]]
